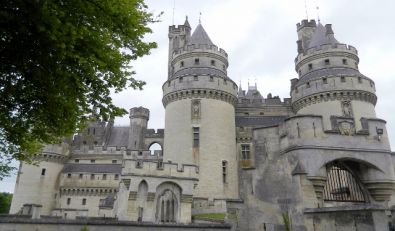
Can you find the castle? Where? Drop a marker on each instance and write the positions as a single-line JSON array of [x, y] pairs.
[[320, 158]]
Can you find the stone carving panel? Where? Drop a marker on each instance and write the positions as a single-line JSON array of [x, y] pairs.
[[195, 109]]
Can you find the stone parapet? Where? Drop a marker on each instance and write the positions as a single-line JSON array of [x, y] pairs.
[[157, 169]]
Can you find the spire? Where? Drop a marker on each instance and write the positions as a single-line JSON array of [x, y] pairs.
[[322, 35], [240, 93], [200, 37], [186, 23]]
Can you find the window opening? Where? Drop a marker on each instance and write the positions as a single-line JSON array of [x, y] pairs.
[[342, 185], [43, 172], [84, 201], [224, 171], [245, 151], [195, 137]]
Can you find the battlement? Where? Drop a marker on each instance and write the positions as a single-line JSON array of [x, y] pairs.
[[306, 23], [110, 150], [177, 28], [305, 130], [139, 112], [151, 133], [327, 48], [159, 169], [200, 48]]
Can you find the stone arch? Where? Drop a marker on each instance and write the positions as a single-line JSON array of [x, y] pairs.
[[168, 202], [364, 169], [343, 183], [155, 146]]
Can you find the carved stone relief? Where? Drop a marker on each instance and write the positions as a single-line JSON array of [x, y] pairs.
[[346, 108], [195, 109]]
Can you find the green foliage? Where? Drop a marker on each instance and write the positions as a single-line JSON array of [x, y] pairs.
[[59, 61], [5, 202], [287, 222], [215, 216], [84, 228]]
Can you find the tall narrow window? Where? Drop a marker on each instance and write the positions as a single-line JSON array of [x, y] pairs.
[[116, 177], [43, 172], [212, 62], [84, 201], [224, 171], [104, 177], [80, 176], [68, 200], [310, 65], [182, 64], [92, 176], [195, 137], [245, 151], [196, 61], [140, 214]]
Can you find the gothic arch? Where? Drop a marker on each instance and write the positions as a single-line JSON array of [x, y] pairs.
[[153, 146], [167, 203], [142, 194]]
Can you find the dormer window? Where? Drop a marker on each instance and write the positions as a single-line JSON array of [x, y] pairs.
[[197, 61]]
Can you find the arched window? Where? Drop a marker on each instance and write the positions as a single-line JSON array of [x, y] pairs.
[[342, 185], [168, 206], [155, 148]]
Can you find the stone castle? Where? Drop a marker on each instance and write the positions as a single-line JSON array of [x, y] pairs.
[[320, 159]]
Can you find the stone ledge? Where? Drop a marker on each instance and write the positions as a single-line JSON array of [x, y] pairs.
[[14, 219], [362, 207]]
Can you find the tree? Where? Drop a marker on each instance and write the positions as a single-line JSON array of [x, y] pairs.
[[5, 202], [59, 61]]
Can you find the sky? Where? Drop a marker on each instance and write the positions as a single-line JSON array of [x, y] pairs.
[[260, 39]]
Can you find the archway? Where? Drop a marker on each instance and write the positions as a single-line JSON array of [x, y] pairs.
[[155, 148]]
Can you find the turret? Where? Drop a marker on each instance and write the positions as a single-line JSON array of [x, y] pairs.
[[39, 184], [178, 38], [139, 117], [199, 99], [330, 83]]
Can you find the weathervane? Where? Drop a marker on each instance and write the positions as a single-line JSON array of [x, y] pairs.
[[200, 18]]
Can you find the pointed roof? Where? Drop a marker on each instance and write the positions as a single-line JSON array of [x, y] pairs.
[[186, 23], [322, 36], [200, 37]]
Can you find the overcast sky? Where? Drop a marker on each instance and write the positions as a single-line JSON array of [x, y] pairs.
[[260, 39]]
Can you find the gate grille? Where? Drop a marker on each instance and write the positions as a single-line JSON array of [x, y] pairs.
[[341, 185]]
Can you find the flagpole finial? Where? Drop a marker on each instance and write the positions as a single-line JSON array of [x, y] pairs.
[[200, 18]]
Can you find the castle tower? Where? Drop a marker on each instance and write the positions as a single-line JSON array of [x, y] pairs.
[[138, 125], [199, 99], [330, 83], [38, 184], [178, 38]]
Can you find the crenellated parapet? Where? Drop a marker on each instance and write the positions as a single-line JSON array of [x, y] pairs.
[[200, 48], [54, 153], [159, 169]]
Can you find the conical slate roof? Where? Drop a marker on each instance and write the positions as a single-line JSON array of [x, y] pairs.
[[200, 37], [321, 37]]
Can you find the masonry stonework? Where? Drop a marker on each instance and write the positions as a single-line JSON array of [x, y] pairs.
[[230, 158]]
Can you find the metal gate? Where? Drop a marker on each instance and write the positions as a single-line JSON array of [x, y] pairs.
[[341, 185]]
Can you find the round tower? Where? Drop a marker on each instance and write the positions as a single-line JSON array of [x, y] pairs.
[[330, 83], [139, 117], [39, 184], [199, 100]]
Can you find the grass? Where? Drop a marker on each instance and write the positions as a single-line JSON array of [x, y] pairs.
[[215, 216]]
